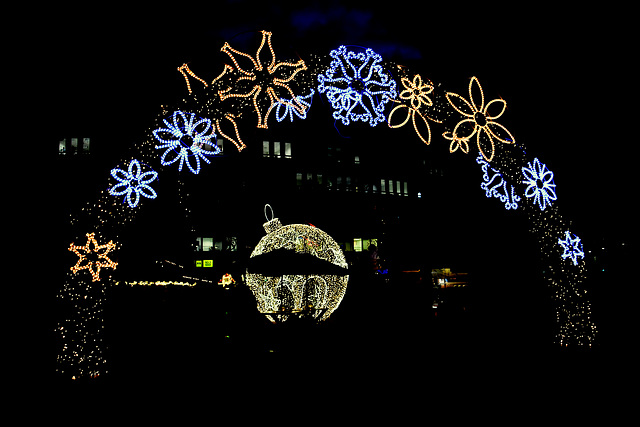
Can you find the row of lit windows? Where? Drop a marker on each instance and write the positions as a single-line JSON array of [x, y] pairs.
[[276, 149], [74, 146], [207, 244], [384, 186]]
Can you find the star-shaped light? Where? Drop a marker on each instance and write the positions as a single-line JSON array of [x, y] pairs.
[[93, 257], [572, 247], [266, 82]]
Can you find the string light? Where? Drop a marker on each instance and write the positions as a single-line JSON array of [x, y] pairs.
[[133, 181], [258, 82], [416, 93], [357, 86], [572, 247], [540, 185], [101, 251], [479, 121], [186, 139], [184, 70], [290, 108], [279, 297], [495, 185]]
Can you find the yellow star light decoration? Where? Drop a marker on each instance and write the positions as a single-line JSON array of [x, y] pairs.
[[98, 254], [416, 92], [478, 121], [264, 81]]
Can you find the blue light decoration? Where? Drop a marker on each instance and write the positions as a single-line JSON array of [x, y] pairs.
[[134, 183], [572, 246], [495, 185], [357, 86], [539, 181], [183, 139], [287, 107]]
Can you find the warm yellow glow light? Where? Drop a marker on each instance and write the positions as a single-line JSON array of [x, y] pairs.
[[479, 121], [101, 251]]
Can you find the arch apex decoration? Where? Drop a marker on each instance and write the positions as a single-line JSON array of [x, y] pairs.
[[360, 86]]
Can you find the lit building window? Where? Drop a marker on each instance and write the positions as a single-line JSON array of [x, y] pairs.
[[299, 179], [390, 186], [319, 178], [383, 186], [203, 244], [265, 149], [357, 245], [287, 150], [357, 160], [398, 188], [276, 149], [406, 189]]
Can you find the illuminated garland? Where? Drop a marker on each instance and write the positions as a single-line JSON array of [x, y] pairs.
[[357, 86], [133, 182], [540, 185], [183, 139], [495, 185]]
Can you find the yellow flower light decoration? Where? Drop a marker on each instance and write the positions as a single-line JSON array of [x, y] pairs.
[[416, 92], [99, 259], [264, 81], [478, 121]]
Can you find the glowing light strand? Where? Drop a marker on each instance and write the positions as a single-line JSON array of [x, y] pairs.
[[287, 108], [133, 182], [357, 86], [495, 185]]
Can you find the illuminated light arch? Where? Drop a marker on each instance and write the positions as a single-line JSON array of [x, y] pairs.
[[219, 107]]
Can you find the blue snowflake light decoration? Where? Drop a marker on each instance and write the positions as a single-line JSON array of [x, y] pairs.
[[134, 183], [287, 108], [572, 247], [357, 86], [539, 181], [495, 185], [186, 140]]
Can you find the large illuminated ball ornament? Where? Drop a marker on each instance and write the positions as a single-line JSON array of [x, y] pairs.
[[297, 270]]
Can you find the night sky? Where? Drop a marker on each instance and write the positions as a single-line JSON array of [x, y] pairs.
[[565, 73]]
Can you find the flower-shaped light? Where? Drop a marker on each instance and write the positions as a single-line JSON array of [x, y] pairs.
[[540, 185], [266, 82], [416, 93], [92, 256], [572, 247], [287, 108], [183, 139], [479, 121], [357, 86], [134, 183]]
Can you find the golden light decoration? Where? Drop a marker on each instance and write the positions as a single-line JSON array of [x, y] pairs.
[[416, 92], [264, 81], [99, 251], [478, 122], [302, 272]]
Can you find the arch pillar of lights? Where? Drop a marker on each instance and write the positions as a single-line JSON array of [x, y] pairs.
[[360, 87]]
